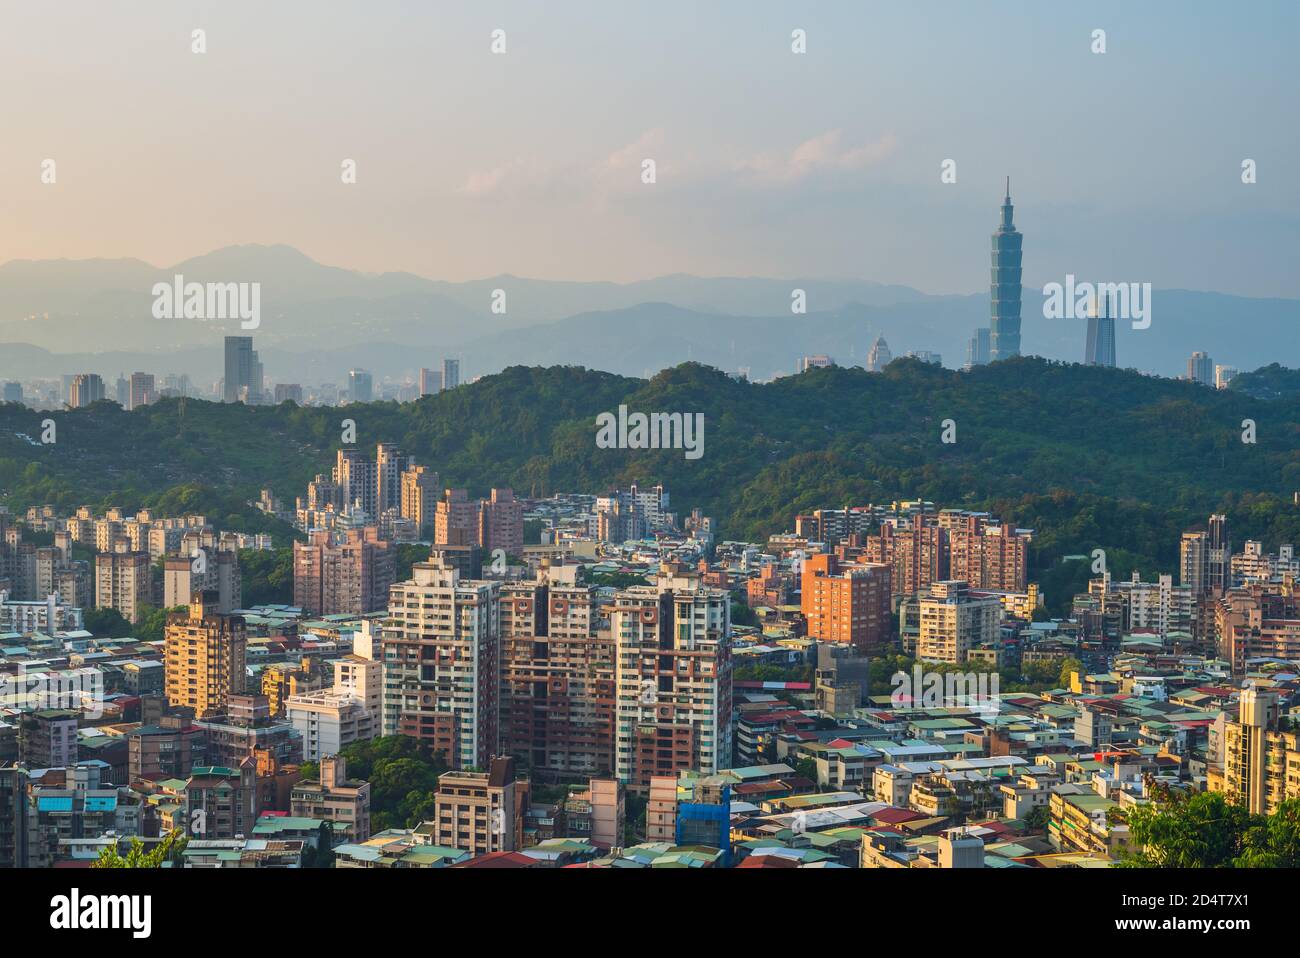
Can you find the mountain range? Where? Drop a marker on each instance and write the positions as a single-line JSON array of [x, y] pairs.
[[64, 316]]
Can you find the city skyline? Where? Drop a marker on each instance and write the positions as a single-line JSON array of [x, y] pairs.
[[789, 177], [357, 517]]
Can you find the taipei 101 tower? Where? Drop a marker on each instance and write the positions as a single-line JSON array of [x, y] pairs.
[[1004, 286]]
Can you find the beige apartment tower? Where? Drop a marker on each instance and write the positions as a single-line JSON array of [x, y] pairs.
[[123, 581], [204, 657], [1261, 766], [481, 812], [954, 621]]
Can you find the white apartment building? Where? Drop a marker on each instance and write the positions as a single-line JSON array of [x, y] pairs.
[[328, 721], [673, 679], [955, 620], [441, 657]]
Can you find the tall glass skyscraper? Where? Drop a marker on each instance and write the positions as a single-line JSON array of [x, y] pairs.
[[243, 382], [1100, 347], [1004, 286]]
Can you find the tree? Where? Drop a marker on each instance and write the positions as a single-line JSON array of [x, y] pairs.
[[152, 625], [1275, 841], [806, 768], [1177, 830], [167, 850], [742, 614], [267, 576], [403, 775], [324, 857], [1036, 820], [107, 623], [1068, 668]]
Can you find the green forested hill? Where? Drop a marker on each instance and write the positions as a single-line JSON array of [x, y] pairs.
[[1087, 456]]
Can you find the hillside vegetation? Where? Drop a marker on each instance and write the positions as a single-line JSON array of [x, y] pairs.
[[1088, 457]]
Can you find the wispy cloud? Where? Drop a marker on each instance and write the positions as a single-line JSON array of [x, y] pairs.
[[619, 170], [826, 152]]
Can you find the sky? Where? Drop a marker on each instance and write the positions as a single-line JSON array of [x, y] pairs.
[[1124, 166]]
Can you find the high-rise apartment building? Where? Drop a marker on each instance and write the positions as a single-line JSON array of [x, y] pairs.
[[288, 392], [450, 373], [1159, 606], [977, 348], [1223, 375], [557, 676], [224, 799], [357, 481], [1258, 621], [86, 389], [918, 553], [123, 581], [204, 657], [14, 827], [390, 463], [986, 554], [243, 380], [360, 386], [430, 381], [421, 489], [1193, 561], [849, 605], [501, 523], [456, 521], [1261, 761], [1004, 288], [442, 662], [1218, 558], [143, 391], [673, 673], [954, 620], [342, 572], [328, 721], [1205, 558], [1200, 368], [215, 571]]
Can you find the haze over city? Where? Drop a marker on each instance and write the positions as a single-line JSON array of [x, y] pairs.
[[619, 436], [825, 165]]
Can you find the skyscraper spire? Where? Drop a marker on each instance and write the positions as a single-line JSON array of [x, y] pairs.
[[1004, 288]]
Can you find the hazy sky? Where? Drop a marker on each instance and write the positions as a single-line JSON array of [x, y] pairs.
[[1124, 166]]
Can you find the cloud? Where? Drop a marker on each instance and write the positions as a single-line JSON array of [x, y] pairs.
[[487, 182], [618, 172], [592, 177], [629, 157], [823, 153]]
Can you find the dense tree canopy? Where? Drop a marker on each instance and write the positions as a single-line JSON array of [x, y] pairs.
[[1088, 457]]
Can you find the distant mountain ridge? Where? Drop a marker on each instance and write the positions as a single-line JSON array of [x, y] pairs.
[[318, 320]]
